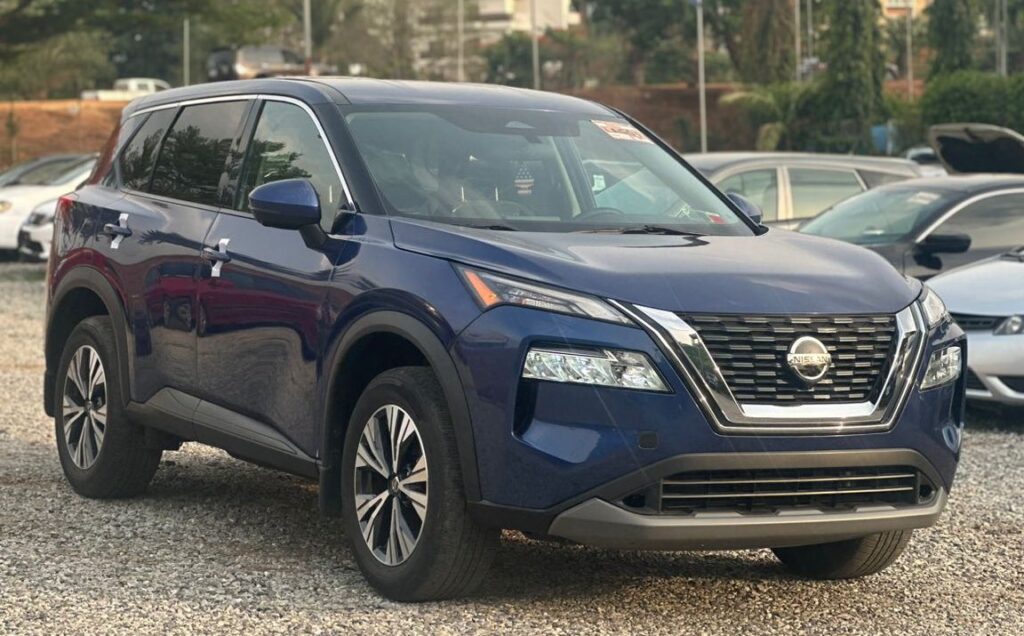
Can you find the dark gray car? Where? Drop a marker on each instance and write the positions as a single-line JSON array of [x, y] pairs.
[[790, 187]]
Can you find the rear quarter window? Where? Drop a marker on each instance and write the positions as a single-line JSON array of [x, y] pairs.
[[138, 157], [194, 154]]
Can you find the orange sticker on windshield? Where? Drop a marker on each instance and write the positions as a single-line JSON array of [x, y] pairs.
[[621, 130]]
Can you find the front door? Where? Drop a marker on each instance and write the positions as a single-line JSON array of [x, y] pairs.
[[263, 297]]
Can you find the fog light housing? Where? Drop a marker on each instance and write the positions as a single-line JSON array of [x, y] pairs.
[[943, 367], [605, 367]]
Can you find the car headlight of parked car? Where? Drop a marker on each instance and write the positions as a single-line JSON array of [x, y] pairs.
[[492, 290], [935, 311], [1012, 326], [5, 206], [43, 213], [944, 365]]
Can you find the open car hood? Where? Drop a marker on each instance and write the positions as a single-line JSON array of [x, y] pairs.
[[967, 148]]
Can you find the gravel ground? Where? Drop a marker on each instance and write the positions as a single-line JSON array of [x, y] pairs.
[[218, 546]]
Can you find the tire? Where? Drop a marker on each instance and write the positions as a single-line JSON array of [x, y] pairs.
[[123, 465], [450, 553], [849, 559]]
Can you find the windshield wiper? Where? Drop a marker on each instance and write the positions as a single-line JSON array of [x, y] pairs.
[[646, 229], [490, 226]]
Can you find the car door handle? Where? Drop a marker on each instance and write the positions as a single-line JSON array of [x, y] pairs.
[[117, 231], [217, 256]]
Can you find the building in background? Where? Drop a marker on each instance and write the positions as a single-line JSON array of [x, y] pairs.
[[897, 8], [435, 24]]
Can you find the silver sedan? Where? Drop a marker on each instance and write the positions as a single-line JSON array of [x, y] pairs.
[[987, 300]]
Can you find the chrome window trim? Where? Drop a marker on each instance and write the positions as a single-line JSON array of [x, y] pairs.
[[959, 207], [684, 347], [268, 98]]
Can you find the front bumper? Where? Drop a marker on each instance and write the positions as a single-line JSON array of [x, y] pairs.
[[991, 358], [34, 241]]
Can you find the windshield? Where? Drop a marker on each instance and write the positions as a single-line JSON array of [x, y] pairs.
[[44, 173], [80, 170], [884, 215], [532, 170]]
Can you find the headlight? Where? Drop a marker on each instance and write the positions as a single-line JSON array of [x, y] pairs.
[[1012, 326], [43, 213], [622, 369], [943, 368], [5, 206], [934, 309], [491, 290]]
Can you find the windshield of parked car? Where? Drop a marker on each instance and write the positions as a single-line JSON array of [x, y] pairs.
[[885, 215], [44, 174], [80, 170], [533, 170]]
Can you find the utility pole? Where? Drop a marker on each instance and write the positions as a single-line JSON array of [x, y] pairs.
[[700, 75], [536, 44], [810, 28], [461, 35], [796, 30], [910, 49], [1002, 45], [186, 52], [307, 32]]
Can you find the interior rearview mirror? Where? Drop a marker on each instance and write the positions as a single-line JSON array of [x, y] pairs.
[[289, 204], [746, 206], [945, 244]]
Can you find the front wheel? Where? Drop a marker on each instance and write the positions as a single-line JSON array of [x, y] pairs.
[[848, 559], [404, 507]]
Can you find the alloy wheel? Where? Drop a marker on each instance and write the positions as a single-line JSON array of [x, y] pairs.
[[391, 485], [84, 407]]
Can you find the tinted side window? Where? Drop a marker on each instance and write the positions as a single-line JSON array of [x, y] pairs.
[[761, 187], [193, 156], [139, 156], [874, 179], [287, 145], [815, 190], [995, 224]]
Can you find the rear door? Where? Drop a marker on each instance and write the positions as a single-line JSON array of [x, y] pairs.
[[263, 304], [171, 174], [814, 190]]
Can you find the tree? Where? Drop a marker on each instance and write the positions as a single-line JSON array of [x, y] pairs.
[[850, 93], [775, 109], [645, 24], [951, 31], [767, 41]]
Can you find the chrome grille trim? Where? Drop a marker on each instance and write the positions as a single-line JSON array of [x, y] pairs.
[[683, 346]]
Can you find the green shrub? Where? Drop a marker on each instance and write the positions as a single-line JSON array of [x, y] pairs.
[[968, 96]]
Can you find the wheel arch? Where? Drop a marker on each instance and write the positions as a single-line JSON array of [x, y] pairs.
[[395, 339], [81, 294]]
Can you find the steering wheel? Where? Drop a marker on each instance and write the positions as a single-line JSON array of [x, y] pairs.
[[599, 213]]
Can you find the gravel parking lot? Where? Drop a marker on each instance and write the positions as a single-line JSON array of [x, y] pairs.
[[218, 546]]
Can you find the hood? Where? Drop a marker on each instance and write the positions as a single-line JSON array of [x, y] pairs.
[[778, 272], [24, 199], [966, 148], [992, 287]]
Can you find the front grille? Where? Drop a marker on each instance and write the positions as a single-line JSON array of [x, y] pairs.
[[1015, 382], [974, 382], [771, 490], [750, 351], [970, 322]]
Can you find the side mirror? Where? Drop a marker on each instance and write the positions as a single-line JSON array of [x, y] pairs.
[[289, 204], [746, 206], [945, 244]]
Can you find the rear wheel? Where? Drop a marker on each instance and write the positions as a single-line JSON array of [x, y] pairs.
[[849, 559], [404, 508], [102, 453]]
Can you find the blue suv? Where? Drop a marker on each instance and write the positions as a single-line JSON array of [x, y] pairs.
[[468, 308]]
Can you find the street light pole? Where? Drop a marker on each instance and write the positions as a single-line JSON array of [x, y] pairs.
[[535, 37], [700, 77], [796, 30], [810, 28], [1002, 46], [307, 30], [910, 50], [186, 53], [461, 33]]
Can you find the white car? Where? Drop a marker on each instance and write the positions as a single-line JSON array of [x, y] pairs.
[[127, 89], [19, 201], [36, 233], [987, 301]]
